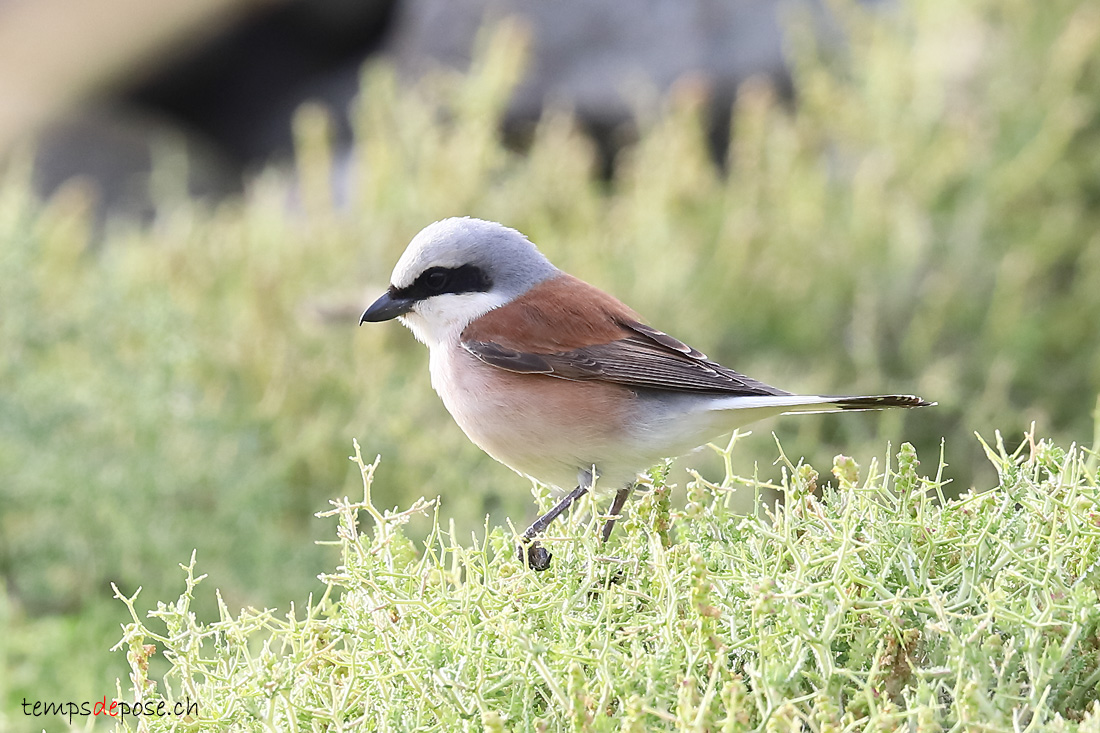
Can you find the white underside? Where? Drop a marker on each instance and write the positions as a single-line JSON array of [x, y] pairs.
[[679, 423], [537, 441]]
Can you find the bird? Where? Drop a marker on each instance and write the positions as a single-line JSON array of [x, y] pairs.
[[560, 381]]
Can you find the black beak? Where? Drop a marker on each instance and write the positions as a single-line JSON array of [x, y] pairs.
[[386, 308]]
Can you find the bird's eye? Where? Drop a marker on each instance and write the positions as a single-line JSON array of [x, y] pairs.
[[436, 281]]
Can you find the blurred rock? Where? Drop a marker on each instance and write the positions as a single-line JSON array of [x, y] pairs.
[[603, 56], [113, 151]]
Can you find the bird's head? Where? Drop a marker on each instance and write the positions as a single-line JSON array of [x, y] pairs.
[[455, 271]]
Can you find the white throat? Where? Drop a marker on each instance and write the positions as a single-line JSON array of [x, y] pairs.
[[441, 320]]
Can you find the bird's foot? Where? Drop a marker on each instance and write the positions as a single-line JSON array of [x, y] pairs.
[[533, 554]]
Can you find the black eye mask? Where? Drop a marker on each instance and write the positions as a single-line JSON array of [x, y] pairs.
[[444, 280]]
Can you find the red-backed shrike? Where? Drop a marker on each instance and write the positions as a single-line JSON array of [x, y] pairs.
[[558, 380]]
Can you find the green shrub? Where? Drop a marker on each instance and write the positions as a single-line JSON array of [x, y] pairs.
[[878, 605]]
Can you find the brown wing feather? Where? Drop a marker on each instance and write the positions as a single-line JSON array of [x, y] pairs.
[[550, 331], [631, 362], [553, 317]]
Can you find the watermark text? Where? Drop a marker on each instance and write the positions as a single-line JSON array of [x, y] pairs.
[[119, 709]]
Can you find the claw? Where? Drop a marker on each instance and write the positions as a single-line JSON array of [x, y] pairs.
[[534, 555]]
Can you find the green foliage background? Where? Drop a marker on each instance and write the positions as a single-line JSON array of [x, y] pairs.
[[926, 219]]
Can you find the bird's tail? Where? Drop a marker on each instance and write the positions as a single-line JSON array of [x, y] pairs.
[[870, 402], [793, 403]]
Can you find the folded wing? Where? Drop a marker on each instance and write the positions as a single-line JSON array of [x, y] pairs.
[[644, 358], [567, 329]]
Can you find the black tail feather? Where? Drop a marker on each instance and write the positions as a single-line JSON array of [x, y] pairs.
[[878, 402]]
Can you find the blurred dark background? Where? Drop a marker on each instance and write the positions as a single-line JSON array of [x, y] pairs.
[[222, 84]]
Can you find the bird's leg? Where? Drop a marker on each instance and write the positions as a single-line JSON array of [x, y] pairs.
[[616, 508], [530, 551]]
